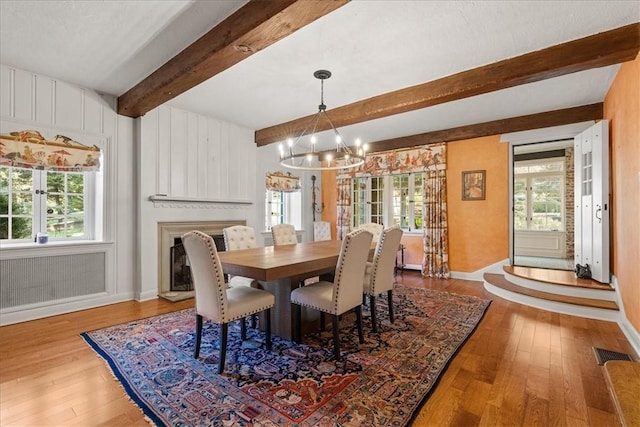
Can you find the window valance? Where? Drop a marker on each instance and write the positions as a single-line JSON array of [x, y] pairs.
[[281, 181], [28, 149], [418, 159]]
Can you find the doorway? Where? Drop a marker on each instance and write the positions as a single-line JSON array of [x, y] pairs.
[[543, 214]]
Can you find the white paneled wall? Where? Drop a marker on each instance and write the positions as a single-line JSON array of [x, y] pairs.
[[206, 165], [50, 106]]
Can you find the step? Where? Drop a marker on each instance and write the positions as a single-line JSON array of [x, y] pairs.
[[623, 380], [594, 308], [559, 283], [557, 277]]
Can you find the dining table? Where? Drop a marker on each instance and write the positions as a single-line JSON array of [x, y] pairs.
[[279, 270]]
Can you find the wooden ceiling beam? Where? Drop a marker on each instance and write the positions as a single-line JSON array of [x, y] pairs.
[[599, 50], [561, 117], [255, 26]]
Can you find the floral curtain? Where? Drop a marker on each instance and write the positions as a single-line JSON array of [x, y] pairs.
[[281, 181], [28, 149], [435, 261], [430, 160]]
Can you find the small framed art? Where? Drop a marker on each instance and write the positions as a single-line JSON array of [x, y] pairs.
[[473, 185]]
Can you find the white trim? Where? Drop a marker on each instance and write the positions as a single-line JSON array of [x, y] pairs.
[[633, 336], [53, 308], [477, 275], [53, 248]]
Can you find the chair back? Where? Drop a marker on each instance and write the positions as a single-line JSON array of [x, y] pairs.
[[284, 234], [347, 285], [208, 279], [239, 237], [321, 231], [384, 260], [373, 228]]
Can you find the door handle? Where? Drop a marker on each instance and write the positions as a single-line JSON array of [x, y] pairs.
[[599, 210]]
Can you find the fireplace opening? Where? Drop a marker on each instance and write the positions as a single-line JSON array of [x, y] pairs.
[[180, 270]]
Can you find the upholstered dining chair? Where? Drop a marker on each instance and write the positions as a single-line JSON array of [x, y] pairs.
[[239, 237], [344, 294], [284, 234], [321, 231], [217, 302], [373, 228], [378, 274]]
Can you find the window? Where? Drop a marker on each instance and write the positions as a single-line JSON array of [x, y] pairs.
[[33, 201], [368, 201], [407, 201], [283, 208], [538, 195], [393, 199]]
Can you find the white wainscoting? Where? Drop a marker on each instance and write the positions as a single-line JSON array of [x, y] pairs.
[[549, 244]]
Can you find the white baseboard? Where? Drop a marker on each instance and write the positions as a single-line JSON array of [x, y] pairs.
[[477, 275], [53, 308], [627, 328], [146, 296]]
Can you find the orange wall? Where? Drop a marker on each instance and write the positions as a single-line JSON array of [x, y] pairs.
[[622, 109], [478, 230]]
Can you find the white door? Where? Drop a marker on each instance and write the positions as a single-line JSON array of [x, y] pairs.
[[591, 160]]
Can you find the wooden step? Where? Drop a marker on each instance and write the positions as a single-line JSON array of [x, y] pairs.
[[556, 277], [500, 281], [623, 380]]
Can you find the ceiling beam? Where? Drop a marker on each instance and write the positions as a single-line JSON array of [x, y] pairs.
[[565, 116], [599, 50], [255, 26]]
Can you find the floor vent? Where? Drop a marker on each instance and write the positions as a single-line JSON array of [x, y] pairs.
[[603, 355]]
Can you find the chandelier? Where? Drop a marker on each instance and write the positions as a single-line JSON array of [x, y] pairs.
[[302, 153]]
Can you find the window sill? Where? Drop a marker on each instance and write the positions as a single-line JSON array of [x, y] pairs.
[[68, 247]]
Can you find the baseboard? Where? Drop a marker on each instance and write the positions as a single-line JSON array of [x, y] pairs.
[[54, 308], [146, 296], [627, 328], [477, 275]]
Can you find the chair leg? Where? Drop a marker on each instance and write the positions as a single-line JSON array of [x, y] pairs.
[[336, 338], [253, 321], [390, 300], [359, 323], [223, 346], [374, 321], [243, 329], [196, 352], [267, 327], [322, 321], [298, 323]]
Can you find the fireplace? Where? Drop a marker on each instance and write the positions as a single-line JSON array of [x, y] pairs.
[[180, 270], [169, 234]]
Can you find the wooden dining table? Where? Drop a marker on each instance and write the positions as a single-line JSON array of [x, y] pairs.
[[279, 270]]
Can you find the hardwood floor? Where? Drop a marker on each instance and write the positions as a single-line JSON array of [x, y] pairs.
[[522, 366]]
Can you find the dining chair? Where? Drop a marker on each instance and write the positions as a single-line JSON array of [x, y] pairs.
[[284, 234], [217, 302], [321, 231], [341, 295], [239, 237], [378, 274], [373, 228]]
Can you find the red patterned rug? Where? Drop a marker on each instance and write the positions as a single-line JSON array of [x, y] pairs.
[[379, 383]]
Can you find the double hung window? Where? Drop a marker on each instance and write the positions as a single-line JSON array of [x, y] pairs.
[[283, 208]]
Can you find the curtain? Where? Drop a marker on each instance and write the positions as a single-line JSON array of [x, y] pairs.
[[435, 261], [281, 181], [28, 149], [343, 205]]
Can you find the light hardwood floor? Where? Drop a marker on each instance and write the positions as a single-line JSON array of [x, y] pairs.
[[522, 367]]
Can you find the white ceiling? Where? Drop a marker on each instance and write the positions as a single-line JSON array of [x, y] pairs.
[[371, 47]]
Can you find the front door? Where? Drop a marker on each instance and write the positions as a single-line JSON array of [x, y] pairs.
[[591, 157]]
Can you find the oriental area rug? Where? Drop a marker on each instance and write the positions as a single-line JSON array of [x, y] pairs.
[[382, 382]]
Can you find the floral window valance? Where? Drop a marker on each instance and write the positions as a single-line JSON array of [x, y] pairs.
[[280, 181], [418, 159], [28, 149]]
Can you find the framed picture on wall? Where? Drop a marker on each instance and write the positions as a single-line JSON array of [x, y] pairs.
[[473, 185]]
